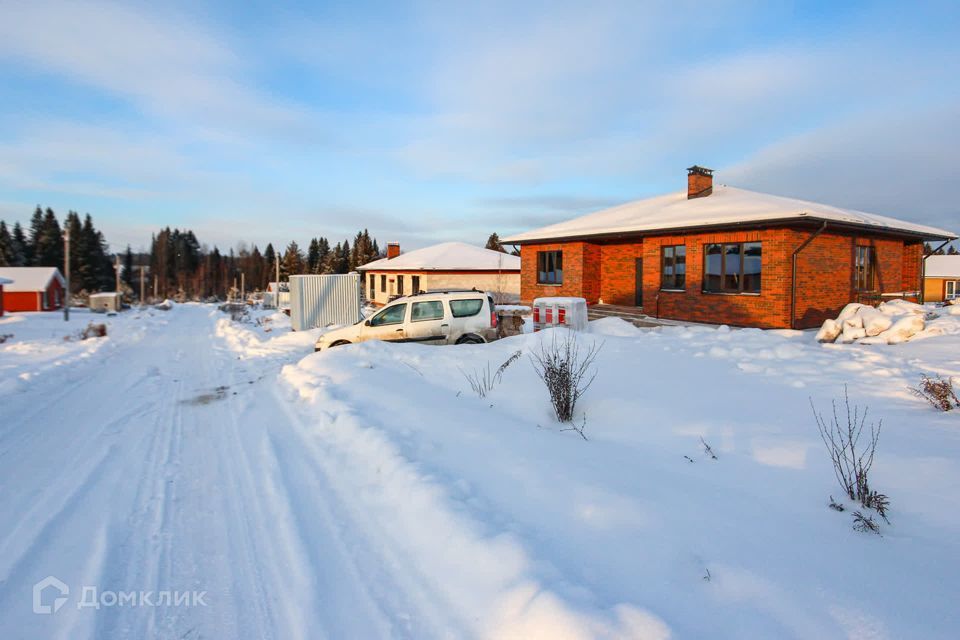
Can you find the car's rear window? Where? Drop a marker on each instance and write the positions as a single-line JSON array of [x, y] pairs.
[[432, 310], [465, 308]]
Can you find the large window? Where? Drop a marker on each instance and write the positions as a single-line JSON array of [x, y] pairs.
[[373, 287], [391, 315], [550, 267], [432, 310], [732, 267], [951, 289], [383, 284], [673, 267], [864, 268], [399, 285]]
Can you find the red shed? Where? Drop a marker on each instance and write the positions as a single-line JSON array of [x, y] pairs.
[[32, 288]]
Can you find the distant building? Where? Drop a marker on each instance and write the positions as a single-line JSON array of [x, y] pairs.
[[941, 278], [450, 265], [32, 288], [719, 254]]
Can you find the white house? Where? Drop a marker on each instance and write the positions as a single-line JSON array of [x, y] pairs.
[[449, 265]]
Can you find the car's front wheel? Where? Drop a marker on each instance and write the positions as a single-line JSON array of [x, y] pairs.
[[339, 343], [470, 338]]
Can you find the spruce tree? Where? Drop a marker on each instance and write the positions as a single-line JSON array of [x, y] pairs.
[[128, 267], [48, 245], [493, 243], [36, 230], [313, 255], [18, 247], [6, 242]]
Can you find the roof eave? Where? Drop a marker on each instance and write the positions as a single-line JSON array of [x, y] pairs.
[[755, 224]]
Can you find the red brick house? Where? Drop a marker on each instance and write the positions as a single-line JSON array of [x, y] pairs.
[[719, 254], [32, 288]]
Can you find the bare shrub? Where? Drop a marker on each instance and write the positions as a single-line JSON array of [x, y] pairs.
[[864, 523], [93, 331], [707, 449], [851, 457], [937, 391], [836, 506], [482, 381], [4, 337], [567, 370]]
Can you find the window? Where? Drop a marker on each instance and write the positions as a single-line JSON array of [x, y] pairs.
[[550, 267], [673, 267], [951, 291], [399, 285], [864, 270], [383, 284], [732, 268], [373, 287], [415, 284], [432, 310], [465, 308], [391, 315]]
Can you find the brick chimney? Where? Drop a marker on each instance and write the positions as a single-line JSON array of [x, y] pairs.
[[699, 182], [393, 250]]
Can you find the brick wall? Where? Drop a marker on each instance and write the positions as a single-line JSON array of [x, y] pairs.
[[607, 272], [581, 271]]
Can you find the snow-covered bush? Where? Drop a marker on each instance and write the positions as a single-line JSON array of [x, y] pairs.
[[937, 391], [851, 457], [566, 370]]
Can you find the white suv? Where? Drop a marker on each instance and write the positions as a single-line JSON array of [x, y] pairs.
[[434, 317]]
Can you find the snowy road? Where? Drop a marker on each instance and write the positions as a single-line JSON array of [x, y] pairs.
[[171, 466]]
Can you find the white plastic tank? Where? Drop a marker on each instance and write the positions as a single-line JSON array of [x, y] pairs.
[[560, 312]]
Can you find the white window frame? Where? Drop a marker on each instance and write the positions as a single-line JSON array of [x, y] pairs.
[[951, 284]]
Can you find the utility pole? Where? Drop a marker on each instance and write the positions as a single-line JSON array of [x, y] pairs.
[[66, 269], [116, 268], [156, 286], [243, 287], [276, 294], [143, 284]]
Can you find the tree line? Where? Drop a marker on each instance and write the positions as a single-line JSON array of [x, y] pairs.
[[42, 246], [180, 265]]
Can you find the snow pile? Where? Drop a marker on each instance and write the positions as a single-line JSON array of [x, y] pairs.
[[892, 322]]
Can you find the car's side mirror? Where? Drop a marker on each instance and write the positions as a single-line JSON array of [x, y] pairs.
[[366, 323]]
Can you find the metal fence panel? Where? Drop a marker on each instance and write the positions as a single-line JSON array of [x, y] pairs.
[[320, 301]]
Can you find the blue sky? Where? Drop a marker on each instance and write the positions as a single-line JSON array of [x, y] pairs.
[[431, 121]]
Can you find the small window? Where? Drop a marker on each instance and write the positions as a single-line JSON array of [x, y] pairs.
[[465, 308], [951, 291], [673, 267], [732, 268], [399, 285], [415, 284], [373, 287], [432, 310], [864, 270], [550, 267], [383, 284], [391, 315]]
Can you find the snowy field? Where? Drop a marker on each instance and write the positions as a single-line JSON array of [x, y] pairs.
[[367, 492]]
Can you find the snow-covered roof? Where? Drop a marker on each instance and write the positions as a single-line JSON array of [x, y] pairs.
[[29, 278], [942, 267], [727, 205], [447, 256]]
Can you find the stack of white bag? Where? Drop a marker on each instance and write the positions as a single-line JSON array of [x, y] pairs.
[[892, 322]]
